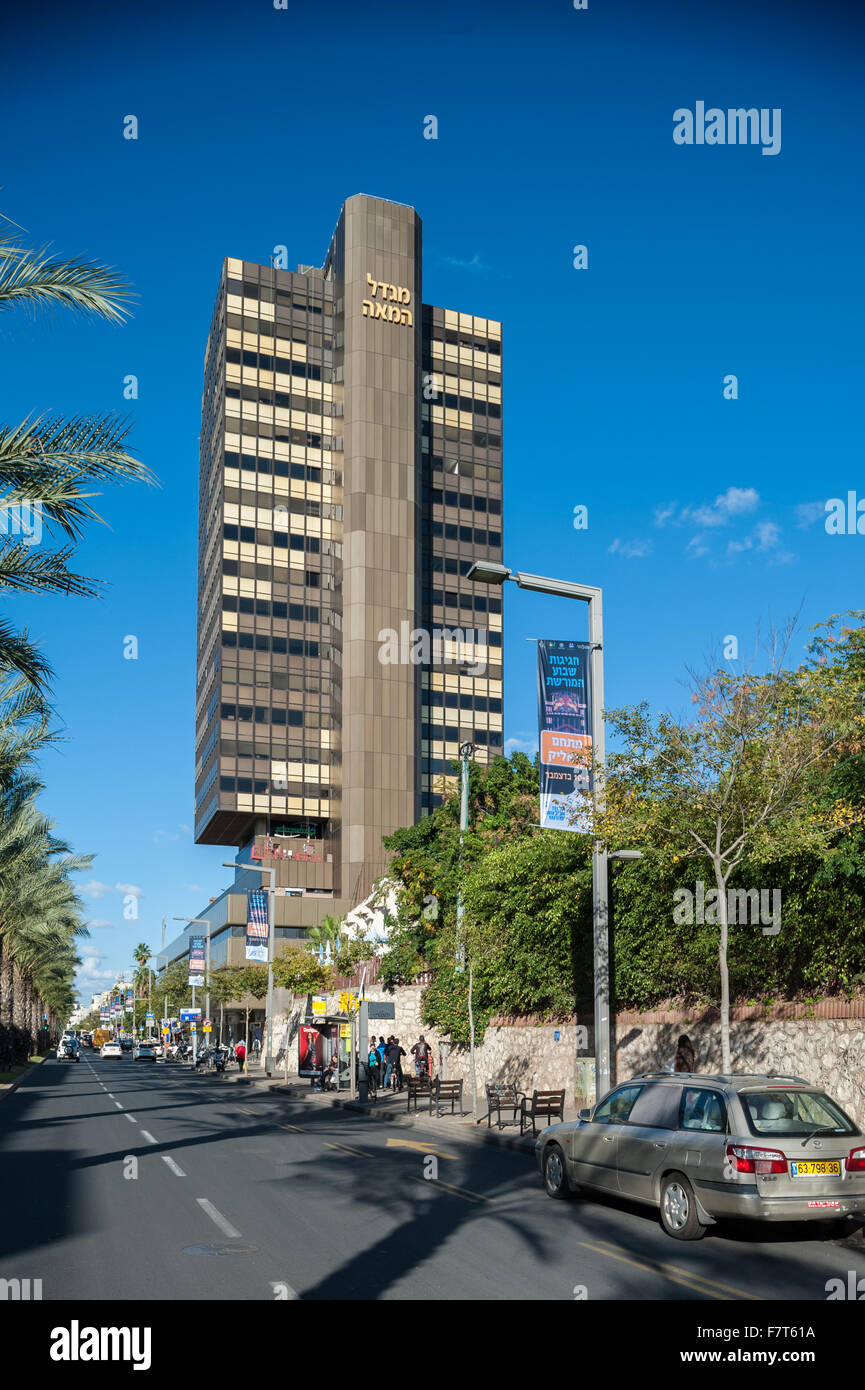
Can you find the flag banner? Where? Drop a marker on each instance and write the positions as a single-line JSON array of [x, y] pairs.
[[564, 734], [256, 924], [196, 960], [129, 999]]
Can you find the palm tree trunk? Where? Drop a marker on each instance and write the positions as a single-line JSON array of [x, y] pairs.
[[5, 985], [18, 997]]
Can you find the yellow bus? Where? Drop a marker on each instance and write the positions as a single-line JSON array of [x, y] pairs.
[[102, 1035]]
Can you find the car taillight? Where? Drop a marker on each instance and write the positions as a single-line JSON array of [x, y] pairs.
[[748, 1160], [856, 1161]]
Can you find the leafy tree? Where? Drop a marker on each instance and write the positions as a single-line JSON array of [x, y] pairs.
[[745, 782]]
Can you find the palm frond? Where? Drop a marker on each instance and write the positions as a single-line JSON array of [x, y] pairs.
[[17, 653], [32, 571], [39, 280]]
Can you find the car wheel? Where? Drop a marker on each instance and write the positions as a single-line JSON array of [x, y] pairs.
[[679, 1209], [555, 1177]]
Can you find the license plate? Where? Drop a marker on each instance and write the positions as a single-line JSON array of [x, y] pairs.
[[816, 1170]]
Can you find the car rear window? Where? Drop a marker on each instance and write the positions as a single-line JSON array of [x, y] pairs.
[[794, 1112]]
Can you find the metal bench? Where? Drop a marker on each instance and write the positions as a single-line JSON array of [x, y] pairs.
[[443, 1091], [502, 1095], [547, 1105]]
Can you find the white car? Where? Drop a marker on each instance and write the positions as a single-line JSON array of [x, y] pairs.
[[111, 1049]]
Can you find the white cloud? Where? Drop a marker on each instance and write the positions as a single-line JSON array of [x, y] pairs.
[[525, 743], [129, 888], [193, 888], [809, 512], [736, 501], [99, 922], [474, 264], [95, 889], [631, 550]]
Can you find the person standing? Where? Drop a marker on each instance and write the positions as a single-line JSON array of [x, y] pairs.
[[685, 1056], [394, 1053], [240, 1053]]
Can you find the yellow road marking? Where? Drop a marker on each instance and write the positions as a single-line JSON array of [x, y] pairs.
[[244, 1112], [356, 1153], [689, 1274], [414, 1144], [296, 1129], [463, 1192]]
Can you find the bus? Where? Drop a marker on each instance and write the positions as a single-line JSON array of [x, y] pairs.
[[102, 1035]]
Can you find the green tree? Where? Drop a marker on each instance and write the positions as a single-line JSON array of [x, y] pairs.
[[744, 782]]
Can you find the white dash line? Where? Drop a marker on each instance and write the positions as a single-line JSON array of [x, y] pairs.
[[148, 1136], [132, 1118], [119, 1106], [176, 1170], [218, 1219]]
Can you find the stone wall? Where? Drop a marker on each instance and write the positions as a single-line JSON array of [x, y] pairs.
[[828, 1052]]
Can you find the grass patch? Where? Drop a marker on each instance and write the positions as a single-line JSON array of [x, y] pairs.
[[12, 1075]]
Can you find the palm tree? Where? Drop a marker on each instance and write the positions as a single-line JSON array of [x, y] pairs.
[[50, 463], [325, 937]]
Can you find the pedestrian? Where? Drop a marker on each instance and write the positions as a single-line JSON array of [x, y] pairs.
[[240, 1053], [685, 1056], [421, 1052], [394, 1053], [381, 1049], [256, 1042]]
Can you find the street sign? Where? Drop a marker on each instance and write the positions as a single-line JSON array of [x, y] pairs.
[[205, 1023], [319, 1006], [382, 1010], [345, 1030], [206, 1028], [193, 1027], [187, 1015]]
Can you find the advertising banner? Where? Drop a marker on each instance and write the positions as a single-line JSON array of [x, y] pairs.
[[196, 960], [256, 924], [564, 734]]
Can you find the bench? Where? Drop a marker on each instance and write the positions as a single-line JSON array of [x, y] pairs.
[[443, 1091], [416, 1086], [547, 1105], [502, 1095]]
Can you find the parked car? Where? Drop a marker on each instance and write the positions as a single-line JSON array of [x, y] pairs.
[[111, 1049], [145, 1052], [701, 1148]]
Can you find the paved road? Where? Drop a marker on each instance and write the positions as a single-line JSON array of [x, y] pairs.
[[252, 1196]]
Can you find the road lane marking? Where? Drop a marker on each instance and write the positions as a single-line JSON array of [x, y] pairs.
[[413, 1144], [218, 1219], [176, 1170], [119, 1106], [244, 1112], [296, 1129], [653, 1269], [689, 1274], [148, 1136], [355, 1153], [110, 1095], [454, 1191], [132, 1118]]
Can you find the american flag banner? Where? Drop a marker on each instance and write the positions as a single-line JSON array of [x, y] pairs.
[[256, 924]]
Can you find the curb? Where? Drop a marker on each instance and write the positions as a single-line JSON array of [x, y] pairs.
[[8, 1087]]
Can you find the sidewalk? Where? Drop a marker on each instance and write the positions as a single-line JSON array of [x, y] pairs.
[[392, 1107]]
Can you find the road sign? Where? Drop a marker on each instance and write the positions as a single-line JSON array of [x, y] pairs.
[[319, 1006], [166, 1031], [205, 1023], [188, 1015], [345, 1030], [193, 1027], [206, 1028], [347, 1002]]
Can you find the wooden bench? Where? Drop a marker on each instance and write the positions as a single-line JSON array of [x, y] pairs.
[[502, 1095], [548, 1105], [443, 1091], [417, 1086]]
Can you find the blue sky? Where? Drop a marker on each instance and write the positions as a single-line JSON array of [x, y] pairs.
[[555, 129]]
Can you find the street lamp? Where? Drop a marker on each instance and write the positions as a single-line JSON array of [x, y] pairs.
[[271, 914], [204, 922], [486, 572]]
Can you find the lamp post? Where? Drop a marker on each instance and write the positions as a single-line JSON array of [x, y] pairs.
[[204, 922], [486, 572], [271, 931]]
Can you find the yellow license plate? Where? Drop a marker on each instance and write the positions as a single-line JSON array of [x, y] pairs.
[[816, 1170]]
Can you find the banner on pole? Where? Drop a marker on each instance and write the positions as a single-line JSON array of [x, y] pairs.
[[564, 734], [256, 924], [196, 960]]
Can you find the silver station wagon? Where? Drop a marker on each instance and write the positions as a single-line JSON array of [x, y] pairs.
[[701, 1148]]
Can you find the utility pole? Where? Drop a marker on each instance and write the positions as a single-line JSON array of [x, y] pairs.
[[271, 946], [466, 752]]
